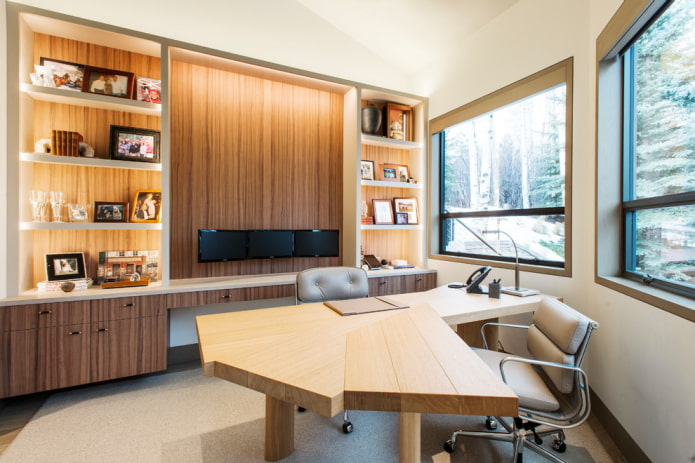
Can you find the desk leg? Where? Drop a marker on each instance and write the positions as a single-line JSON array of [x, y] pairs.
[[470, 333], [409, 437], [279, 428]]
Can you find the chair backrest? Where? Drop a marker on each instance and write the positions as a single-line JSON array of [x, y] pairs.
[[331, 283], [559, 334]]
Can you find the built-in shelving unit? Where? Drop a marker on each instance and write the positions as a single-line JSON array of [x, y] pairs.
[[88, 162]]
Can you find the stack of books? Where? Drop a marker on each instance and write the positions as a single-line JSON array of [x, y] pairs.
[[65, 143], [367, 220], [51, 286]]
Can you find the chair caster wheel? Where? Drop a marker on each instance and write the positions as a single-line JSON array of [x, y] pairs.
[[449, 446], [347, 427], [301, 409], [559, 446], [538, 440], [491, 424]]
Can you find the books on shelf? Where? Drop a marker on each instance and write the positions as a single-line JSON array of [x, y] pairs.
[[51, 286], [65, 143]]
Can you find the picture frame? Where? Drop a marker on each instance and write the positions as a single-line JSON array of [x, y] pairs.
[[109, 82], [399, 122], [383, 212], [65, 266], [388, 172], [407, 206], [148, 90], [134, 144], [110, 212], [403, 174], [123, 265], [401, 218], [65, 74], [146, 207], [367, 170]]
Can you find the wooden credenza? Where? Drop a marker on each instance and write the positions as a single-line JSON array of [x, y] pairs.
[[396, 284]]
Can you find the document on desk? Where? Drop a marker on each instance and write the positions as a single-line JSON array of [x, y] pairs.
[[364, 305]]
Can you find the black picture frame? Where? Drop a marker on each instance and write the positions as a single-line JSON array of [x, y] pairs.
[[123, 143], [401, 218], [65, 266], [110, 212]]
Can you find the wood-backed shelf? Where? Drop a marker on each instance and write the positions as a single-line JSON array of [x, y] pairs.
[[88, 226], [73, 97], [389, 184], [89, 162], [391, 227], [374, 140]]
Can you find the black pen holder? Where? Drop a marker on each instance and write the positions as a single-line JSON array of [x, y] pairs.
[[494, 290]]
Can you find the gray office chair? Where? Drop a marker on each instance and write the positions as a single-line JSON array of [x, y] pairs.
[[331, 284], [553, 389]]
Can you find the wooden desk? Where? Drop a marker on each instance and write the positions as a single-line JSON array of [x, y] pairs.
[[408, 361]]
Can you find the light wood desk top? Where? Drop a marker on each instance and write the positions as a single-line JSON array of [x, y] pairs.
[[408, 361]]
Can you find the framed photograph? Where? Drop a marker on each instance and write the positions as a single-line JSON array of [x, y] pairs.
[[399, 122], [67, 266], [367, 170], [110, 212], [149, 90], [388, 172], [134, 144], [403, 174], [408, 206], [66, 75], [401, 218], [383, 212], [127, 265], [147, 206], [108, 82]]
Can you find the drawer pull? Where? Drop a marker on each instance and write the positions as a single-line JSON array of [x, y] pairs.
[[226, 296], [130, 304], [101, 330], [74, 333], [382, 282], [45, 312], [419, 279]]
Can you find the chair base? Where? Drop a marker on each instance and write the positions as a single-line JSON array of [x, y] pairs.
[[518, 434]]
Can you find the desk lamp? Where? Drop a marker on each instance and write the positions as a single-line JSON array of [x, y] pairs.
[[516, 290]]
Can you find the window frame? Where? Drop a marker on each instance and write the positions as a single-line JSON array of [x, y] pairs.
[[556, 74], [610, 225]]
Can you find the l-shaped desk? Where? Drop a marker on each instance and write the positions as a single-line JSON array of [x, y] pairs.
[[407, 361]]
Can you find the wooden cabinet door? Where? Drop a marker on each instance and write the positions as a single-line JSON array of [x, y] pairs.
[[62, 356], [18, 363], [418, 282], [128, 347], [382, 286]]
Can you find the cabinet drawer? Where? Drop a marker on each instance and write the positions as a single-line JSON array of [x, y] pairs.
[[33, 316], [128, 307], [249, 294], [192, 299]]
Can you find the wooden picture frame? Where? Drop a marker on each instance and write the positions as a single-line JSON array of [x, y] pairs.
[[403, 174], [367, 170], [383, 212], [399, 122], [110, 212], [65, 266], [388, 172], [134, 144], [109, 82], [408, 206], [65, 74], [146, 207]]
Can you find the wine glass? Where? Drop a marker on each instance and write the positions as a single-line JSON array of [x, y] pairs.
[[56, 198], [38, 202]]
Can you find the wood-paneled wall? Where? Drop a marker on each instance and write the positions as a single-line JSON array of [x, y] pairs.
[[250, 153]]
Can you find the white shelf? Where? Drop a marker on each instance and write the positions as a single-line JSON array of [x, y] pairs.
[[375, 140], [89, 162], [88, 226], [73, 97], [388, 184], [391, 227]]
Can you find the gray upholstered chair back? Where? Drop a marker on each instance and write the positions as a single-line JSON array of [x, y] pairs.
[[559, 334], [331, 283]]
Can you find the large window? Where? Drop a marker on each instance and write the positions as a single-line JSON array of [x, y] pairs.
[[658, 201], [503, 173]]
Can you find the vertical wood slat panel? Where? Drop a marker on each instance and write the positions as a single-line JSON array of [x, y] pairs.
[[249, 153]]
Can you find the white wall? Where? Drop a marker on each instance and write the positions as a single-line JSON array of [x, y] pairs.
[[640, 362]]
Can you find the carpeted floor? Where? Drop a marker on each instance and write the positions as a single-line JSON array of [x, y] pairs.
[[185, 417]]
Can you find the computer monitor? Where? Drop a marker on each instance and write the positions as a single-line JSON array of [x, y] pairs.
[[316, 243], [221, 245], [268, 244]]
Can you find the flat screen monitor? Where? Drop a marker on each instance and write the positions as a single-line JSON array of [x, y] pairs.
[[316, 243], [267, 244], [221, 245]]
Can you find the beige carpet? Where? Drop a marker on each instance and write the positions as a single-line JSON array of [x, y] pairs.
[[185, 417]]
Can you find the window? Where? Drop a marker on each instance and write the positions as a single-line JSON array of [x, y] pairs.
[[658, 203], [503, 169]]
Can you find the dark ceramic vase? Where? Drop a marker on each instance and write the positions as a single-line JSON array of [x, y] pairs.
[[371, 119]]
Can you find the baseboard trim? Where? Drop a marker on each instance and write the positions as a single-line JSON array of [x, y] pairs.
[[183, 354], [627, 445]]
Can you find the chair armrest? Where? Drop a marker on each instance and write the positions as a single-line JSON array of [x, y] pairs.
[[507, 325]]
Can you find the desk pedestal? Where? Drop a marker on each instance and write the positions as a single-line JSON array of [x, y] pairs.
[[470, 333], [409, 437], [279, 428]]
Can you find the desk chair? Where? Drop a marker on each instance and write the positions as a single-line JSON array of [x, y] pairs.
[[553, 389], [331, 284]]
